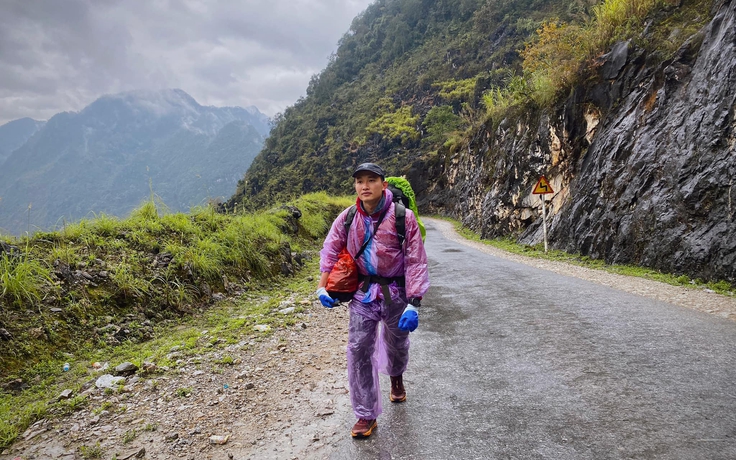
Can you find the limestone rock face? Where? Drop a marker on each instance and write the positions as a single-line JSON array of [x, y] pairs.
[[656, 186], [643, 163]]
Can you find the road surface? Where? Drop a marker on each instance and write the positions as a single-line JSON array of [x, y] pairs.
[[514, 362]]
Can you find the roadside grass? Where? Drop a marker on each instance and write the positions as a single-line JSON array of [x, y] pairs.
[[198, 338], [160, 274], [537, 251], [20, 278]]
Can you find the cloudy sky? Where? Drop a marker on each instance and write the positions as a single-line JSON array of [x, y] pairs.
[[60, 55]]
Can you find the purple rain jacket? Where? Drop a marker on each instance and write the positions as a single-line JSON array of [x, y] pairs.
[[383, 256]]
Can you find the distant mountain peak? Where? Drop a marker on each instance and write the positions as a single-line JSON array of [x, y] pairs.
[[102, 158], [159, 102], [14, 134]]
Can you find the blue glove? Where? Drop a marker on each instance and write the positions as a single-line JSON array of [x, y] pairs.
[[325, 298], [410, 319]]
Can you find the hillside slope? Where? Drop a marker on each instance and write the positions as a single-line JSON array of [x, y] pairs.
[[641, 160], [374, 100], [627, 106]]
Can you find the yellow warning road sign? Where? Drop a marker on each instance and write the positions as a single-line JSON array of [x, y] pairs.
[[542, 187]]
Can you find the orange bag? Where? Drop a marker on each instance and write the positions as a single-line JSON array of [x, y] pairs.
[[342, 282]]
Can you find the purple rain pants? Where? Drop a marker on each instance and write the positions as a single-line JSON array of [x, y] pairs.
[[365, 359]]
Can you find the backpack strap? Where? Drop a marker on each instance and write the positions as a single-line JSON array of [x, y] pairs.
[[400, 213], [349, 218]]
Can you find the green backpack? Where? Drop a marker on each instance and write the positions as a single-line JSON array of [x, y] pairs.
[[402, 191]]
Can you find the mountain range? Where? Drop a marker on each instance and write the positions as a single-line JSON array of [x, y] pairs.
[[15, 133], [118, 151]]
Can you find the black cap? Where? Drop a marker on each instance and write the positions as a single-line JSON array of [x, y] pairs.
[[371, 167]]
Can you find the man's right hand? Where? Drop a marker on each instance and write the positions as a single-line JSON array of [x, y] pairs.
[[325, 298]]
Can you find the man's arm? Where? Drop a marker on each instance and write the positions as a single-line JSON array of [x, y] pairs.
[[323, 280], [416, 272], [335, 240]]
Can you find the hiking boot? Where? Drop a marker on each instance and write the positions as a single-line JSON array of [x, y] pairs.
[[363, 428], [398, 394]]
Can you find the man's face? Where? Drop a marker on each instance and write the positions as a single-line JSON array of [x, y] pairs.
[[369, 187]]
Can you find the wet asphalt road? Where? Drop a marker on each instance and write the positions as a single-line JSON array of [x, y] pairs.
[[513, 362]]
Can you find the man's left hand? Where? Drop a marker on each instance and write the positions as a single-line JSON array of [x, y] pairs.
[[410, 319], [325, 298]]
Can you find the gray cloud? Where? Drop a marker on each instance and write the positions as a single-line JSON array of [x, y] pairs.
[[60, 56]]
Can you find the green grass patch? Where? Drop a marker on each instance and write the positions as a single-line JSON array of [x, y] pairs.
[[129, 436], [194, 337], [91, 452], [183, 392], [22, 279], [150, 427]]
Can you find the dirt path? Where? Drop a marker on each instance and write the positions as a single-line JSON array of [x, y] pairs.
[[285, 396], [281, 401]]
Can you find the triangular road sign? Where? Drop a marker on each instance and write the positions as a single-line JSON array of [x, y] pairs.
[[542, 187]]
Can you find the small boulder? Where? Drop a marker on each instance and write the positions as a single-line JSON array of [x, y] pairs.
[[109, 381], [15, 385], [126, 369]]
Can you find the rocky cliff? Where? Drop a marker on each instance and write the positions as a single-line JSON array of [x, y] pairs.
[[642, 161]]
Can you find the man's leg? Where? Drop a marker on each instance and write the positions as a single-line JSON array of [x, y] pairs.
[[397, 350], [362, 371]]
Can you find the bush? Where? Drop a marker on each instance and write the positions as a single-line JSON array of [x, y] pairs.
[[552, 61], [439, 122], [396, 125], [499, 101]]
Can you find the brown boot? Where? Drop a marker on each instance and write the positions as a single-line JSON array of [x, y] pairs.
[[363, 428], [398, 394]]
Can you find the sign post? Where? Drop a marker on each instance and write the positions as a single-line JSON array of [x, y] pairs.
[[543, 188]]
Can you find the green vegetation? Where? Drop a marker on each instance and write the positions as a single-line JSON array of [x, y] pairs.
[[399, 124], [130, 436], [183, 392], [153, 304], [88, 452], [20, 279], [509, 245], [440, 123], [150, 427], [500, 101], [413, 81], [562, 54], [454, 91]]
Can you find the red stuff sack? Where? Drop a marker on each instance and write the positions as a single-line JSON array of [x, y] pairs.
[[342, 282]]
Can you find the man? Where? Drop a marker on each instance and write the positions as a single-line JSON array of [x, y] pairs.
[[393, 281]]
